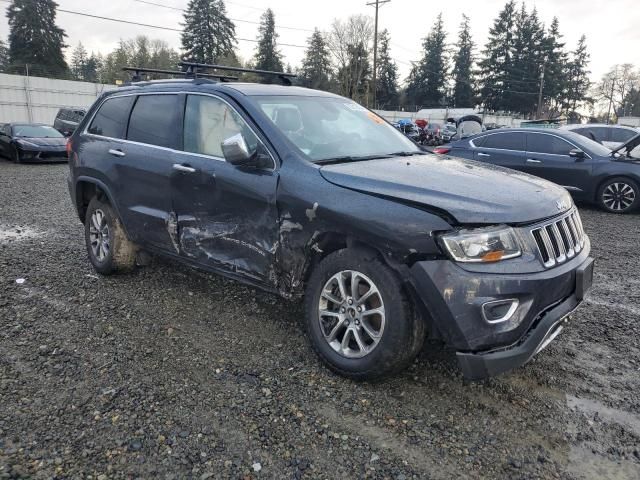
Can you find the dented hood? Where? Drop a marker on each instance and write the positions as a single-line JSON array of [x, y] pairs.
[[471, 192]]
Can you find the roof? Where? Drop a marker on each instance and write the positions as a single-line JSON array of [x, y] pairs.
[[573, 126], [251, 89]]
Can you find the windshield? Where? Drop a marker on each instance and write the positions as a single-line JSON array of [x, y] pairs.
[[36, 131], [591, 146], [334, 128]]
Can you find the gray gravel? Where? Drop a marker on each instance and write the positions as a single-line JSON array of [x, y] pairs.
[[170, 373]]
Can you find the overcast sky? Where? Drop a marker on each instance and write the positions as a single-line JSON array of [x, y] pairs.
[[612, 27]]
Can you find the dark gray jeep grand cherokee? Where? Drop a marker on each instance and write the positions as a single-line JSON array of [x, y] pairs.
[[305, 193]]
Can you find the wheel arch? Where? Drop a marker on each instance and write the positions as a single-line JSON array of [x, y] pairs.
[[88, 187]]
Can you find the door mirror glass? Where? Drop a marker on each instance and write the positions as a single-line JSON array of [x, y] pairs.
[[235, 150], [577, 154]]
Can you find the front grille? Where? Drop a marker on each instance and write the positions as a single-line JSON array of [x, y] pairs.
[[559, 240]]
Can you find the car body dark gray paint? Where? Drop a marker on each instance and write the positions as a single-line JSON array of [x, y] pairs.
[[33, 149], [581, 177], [269, 227]]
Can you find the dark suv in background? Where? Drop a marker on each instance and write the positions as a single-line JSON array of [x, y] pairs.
[[305, 193], [68, 119]]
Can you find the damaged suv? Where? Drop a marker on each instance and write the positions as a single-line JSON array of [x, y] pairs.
[[307, 194]]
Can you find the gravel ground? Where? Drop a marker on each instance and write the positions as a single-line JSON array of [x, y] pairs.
[[170, 373]]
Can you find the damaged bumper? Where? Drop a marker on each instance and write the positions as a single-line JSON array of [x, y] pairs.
[[497, 322]]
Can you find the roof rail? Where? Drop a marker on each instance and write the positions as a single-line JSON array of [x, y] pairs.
[[192, 73], [284, 77]]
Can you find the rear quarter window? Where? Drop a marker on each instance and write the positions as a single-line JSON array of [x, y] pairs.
[[112, 117]]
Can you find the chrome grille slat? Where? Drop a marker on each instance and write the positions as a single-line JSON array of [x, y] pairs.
[[560, 239]]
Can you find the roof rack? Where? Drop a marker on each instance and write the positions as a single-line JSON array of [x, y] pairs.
[[284, 77], [138, 72]]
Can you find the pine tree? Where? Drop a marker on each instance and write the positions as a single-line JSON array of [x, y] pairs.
[[208, 33], [267, 56], [555, 78], [4, 56], [359, 71], [578, 83], [92, 68], [34, 38], [428, 82], [495, 68], [79, 62], [463, 90], [387, 74], [316, 69]]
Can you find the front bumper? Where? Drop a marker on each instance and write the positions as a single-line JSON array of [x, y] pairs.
[[455, 297], [43, 155]]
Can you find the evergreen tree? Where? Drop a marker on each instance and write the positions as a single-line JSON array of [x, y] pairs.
[[387, 74], [556, 75], [358, 70], [578, 83], [463, 90], [428, 81], [316, 66], [34, 38], [208, 33], [4, 56], [495, 68], [267, 56], [92, 68], [79, 62]]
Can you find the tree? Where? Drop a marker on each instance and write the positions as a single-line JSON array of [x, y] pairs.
[[350, 43], [316, 69], [614, 88], [387, 74], [4, 56], [578, 83], [267, 56], [79, 62], [208, 33], [463, 89], [34, 37], [495, 68], [556, 75], [92, 68], [428, 81]]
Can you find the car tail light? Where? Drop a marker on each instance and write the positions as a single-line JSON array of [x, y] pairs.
[[69, 147], [441, 150]]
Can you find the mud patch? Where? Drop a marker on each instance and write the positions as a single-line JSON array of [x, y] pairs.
[[13, 233]]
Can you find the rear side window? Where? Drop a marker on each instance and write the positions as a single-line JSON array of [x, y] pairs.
[[111, 119], [505, 141], [153, 120], [622, 135], [549, 144]]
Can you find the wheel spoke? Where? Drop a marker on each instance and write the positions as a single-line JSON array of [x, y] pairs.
[[361, 345], [373, 311], [367, 295], [329, 313], [329, 296], [355, 283], [341, 286], [334, 331], [370, 331], [345, 340]]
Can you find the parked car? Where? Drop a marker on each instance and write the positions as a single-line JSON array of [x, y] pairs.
[[32, 142], [611, 136], [449, 131], [590, 171], [68, 119], [305, 193]]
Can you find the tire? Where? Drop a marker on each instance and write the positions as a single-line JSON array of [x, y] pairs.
[[619, 195], [401, 333], [102, 228], [16, 155]]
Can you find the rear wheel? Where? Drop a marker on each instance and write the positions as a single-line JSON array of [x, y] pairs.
[[619, 195], [15, 155], [109, 249], [359, 319]]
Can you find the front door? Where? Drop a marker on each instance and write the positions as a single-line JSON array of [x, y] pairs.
[[226, 216]]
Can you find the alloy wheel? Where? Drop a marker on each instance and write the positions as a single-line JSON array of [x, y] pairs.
[[99, 235], [618, 196], [351, 314]]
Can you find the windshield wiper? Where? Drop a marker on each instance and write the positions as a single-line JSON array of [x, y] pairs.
[[407, 154], [350, 158]]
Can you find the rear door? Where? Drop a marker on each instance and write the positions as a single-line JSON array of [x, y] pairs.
[[548, 157], [505, 149], [226, 215]]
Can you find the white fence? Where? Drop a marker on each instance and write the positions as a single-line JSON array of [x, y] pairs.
[[37, 99]]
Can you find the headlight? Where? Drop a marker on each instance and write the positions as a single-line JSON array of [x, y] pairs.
[[482, 244], [24, 143]]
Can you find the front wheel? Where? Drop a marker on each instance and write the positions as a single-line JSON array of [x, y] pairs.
[[359, 320], [619, 195], [16, 155]]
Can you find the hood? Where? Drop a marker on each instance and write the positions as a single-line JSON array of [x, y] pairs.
[[471, 192], [629, 146], [42, 142]]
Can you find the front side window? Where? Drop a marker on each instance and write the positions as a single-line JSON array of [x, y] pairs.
[[111, 120], [153, 120], [549, 144], [325, 128], [208, 122], [505, 141]]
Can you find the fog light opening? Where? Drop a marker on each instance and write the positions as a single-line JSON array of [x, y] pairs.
[[499, 311]]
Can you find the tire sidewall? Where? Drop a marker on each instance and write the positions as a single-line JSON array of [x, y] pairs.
[[397, 335], [106, 266], [626, 180]]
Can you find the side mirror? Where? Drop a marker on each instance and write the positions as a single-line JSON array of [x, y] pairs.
[[66, 133], [577, 154], [235, 150]]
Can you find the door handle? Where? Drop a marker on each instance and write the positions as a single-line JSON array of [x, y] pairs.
[[480, 154], [117, 153], [533, 160], [183, 168]]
